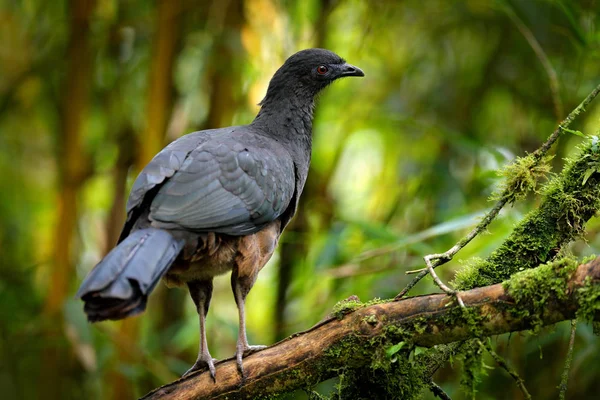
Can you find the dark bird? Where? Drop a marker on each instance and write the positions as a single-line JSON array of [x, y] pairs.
[[216, 201]]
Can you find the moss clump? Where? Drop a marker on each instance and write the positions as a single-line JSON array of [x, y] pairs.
[[468, 275], [352, 304], [535, 287], [348, 345], [393, 372], [588, 298], [370, 319], [346, 306], [568, 204], [472, 359], [521, 177], [390, 376]]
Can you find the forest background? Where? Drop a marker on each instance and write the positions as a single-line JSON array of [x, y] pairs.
[[404, 162]]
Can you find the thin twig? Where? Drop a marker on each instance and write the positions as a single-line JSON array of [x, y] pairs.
[[428, 261], [502, 363], [435, 260], [541, 55], [565, 375], [438, 391]]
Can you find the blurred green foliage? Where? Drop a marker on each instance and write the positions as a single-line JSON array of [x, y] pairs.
[[404, 162]]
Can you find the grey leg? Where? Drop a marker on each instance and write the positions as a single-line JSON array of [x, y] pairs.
[[201, 292], [241, 287]]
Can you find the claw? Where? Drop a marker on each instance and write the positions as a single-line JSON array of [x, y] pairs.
[[243, 351], [201, 365]]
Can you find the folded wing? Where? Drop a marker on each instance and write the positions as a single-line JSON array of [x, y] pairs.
[[222, 184]]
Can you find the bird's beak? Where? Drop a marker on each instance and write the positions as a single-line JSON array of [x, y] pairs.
[[351, 70]]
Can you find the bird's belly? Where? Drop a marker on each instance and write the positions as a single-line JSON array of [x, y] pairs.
[[203, 259]]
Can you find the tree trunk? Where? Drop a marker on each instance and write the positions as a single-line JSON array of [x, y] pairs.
[[225, 65], [72, 171]]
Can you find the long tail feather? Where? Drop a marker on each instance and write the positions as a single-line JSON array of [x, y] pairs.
[[120, 284]]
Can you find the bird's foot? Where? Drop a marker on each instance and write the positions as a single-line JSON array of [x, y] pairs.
[[203, 364], [243, 351]]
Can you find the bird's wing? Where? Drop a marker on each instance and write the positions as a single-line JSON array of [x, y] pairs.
[[225, 186], [164, 165]]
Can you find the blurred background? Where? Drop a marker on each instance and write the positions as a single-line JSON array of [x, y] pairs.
[[404, 161]]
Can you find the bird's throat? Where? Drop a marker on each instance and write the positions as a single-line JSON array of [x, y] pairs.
[[286, 119]]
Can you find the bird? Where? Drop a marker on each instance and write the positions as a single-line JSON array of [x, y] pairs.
[[216, 201]]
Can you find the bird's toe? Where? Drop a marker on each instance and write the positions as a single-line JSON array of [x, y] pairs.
[[243, 351], [238, 361], [202, 365], [253, 349]]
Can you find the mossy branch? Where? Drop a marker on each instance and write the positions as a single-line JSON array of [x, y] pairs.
[[389, 335], [520, 177], [569, 201]]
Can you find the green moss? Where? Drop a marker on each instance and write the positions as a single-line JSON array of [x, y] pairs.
[[352, 304], [385, 376], [397, 377], [396, 332], [342, 348], [395, 369], [521, 177], [596, 328], [472, 371], [468, 274], [588, 298], [537, 285], [344, 307], [569, 201], [533, 288], [370, 319]]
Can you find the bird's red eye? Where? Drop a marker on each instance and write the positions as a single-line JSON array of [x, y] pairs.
[[322, 70]]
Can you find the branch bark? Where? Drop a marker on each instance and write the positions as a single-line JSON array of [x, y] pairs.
[[354, 339]]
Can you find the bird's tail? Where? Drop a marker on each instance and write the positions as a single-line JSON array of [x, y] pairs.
[[120, 284]]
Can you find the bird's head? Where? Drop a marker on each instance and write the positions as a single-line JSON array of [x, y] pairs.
[[307, 72]]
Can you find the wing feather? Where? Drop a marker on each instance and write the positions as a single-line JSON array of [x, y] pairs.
[[227, 188], [229, 181]]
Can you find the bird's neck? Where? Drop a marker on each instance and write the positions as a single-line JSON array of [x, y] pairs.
[[287, 119]]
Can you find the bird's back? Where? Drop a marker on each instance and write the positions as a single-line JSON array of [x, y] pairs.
[[232, 180]]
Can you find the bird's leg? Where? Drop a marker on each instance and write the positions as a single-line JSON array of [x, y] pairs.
[[253, 253], [201, 292], [241, 286]]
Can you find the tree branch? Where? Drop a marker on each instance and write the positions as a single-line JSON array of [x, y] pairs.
[[356, 339], [512, 189]]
